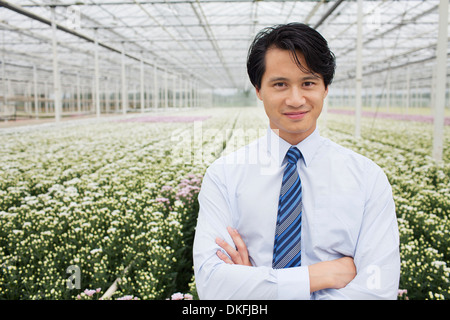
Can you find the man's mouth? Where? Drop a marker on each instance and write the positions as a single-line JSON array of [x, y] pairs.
[[295, 115]]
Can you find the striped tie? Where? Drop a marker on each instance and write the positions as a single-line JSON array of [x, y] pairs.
[[287, 249]]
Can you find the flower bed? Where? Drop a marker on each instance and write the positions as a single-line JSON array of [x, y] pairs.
[[84, 205]]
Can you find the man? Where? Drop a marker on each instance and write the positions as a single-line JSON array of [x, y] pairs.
[[308, 219]]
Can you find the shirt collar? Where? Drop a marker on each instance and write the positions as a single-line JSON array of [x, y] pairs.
[[308, 147]]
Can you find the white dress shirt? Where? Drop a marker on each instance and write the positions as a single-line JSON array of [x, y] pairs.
[[348, 210]]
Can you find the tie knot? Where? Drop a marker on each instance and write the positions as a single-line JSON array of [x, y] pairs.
[[293, 155]]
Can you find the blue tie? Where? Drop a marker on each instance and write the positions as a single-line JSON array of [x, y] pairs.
[[287, 248]]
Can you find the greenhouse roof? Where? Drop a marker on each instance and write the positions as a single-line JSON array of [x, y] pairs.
[[207, 40]]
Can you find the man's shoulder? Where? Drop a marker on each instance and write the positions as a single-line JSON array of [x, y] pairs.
[[235, 160], [335, 150], [239, 155]]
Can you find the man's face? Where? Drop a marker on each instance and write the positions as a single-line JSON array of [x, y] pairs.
[[292, 98]]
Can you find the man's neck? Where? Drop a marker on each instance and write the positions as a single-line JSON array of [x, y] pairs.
[[291, 137]]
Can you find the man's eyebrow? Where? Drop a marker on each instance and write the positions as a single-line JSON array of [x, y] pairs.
[[308, 77], [275, 79], [312, 77]]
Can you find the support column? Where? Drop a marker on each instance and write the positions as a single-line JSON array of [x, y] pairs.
[[4, 82], [116, 98], [441, 78], [135, 97], [373, 96], [147, 97], [78, 93], [107, 102], [56, 80], [408, 89], [388, 91], [124, 84], [166, 90], [186, 93], [181, 92], [36, 102], [358, 97], [155, 87], [27, 99], [96, 81], [190, 95], [142, 87], [196, 95], [72, 98], [92, 110], [324, 115], [46, 96], [174, 92]]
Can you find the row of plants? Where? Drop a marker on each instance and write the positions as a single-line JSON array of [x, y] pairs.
[[118, 200], [107, 199]]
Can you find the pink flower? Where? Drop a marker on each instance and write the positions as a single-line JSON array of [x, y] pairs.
[[89, 293], [188, 296], [177, 296], [402, 292]]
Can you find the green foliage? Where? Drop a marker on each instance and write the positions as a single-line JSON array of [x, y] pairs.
[[119, 200]]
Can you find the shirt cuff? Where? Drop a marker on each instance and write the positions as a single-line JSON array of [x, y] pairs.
[[293, 283]]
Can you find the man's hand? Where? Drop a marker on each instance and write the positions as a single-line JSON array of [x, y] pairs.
[[238, 255], [334, 274]]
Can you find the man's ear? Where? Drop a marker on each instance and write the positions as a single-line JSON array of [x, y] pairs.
[[326, 93], [258, 93]]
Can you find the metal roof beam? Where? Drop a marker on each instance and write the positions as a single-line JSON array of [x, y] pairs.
[[390, 30], [204, 23], [31, 15], [81, 3], [328, 13], [48, 22]]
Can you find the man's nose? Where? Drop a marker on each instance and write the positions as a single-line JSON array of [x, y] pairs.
[[296, 97]]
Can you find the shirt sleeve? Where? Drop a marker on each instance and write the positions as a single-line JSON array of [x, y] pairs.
[[376, 256], [217, 280]]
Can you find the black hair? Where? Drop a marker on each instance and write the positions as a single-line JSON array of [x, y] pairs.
[[293, 37]]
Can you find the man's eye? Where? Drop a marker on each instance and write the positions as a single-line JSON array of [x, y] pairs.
[[279, 84], [308, 84]]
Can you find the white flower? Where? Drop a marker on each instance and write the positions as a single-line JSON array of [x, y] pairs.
[[438, 264], [94, 251], [111, 230]]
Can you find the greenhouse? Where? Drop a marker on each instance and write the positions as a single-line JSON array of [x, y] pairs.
[[111, 112]]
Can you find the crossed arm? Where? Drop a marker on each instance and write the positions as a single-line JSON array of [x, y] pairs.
[[334, 274], [372, 271]]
